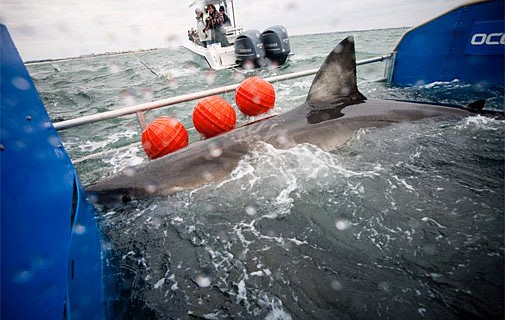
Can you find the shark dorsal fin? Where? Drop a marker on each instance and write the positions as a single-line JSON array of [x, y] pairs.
[[476, 106], [337, 76]]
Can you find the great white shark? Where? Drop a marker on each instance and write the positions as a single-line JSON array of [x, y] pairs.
[[333, 111]]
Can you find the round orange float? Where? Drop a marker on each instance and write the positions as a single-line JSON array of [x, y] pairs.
[[163, 136], [213, 115], [255, 96]]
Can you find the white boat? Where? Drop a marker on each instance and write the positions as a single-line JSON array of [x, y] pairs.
[[251, 47], [215, 56]]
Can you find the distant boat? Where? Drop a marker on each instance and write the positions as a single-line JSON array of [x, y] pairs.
[[247, 49]]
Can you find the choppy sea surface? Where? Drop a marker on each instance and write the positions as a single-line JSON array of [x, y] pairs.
[[402, 222]]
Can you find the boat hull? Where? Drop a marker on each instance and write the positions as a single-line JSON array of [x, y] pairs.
[[214, 57]]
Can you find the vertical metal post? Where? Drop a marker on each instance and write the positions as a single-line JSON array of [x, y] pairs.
[[141, 119], [233, 12]]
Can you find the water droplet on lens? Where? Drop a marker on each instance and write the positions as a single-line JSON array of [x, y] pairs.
[[23, 276], [248, 65], [283, 138], [54, 141], [147, 94], [210, 76], [238, 76], [130, 172], [171, 81], [250, 210], [215, 151], [384, 286], [338, 48], [152, 187], [203, 281], [129, 97], [21, 83], [430, 249], [336, 285], [208, 176], [273, 65], [342, 224], [79, 229], [114, 68], [345, 91]]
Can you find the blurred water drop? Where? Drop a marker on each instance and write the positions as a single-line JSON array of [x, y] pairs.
[[336, 285], [129, 97], [250, 210], [54, 141], [172, 39], [273, 65], [282, 138], [481, 86], [338, 48], [345, 91], [215, 151], [21, 83], [79, 229], [19, 145], [291, 6], [208, 176], [430, 249], [248, 65], [23, 276], [147, 94], [238, 76], [39, 262], [171, 80], [151, 187], [210, 76], [203, 281], [342, 224], [130, 171], [384, 286], [114, 68], [93, 198], [420, 83]]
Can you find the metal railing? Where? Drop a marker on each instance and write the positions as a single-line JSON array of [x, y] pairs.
[[140, 108]]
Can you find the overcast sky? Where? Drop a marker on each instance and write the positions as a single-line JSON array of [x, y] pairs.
[[65, 28]]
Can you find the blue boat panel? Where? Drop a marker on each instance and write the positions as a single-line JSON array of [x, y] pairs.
[[43, 215], [466, 43], [85, 284]]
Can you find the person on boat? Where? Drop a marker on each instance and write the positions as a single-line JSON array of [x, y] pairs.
[[203, 36], [215, 23], [226, 20]]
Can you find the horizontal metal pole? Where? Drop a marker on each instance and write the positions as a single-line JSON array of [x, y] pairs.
[[61, 125]]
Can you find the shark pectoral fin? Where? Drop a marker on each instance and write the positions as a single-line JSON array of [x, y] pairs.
[[476, 106], [337, 76]]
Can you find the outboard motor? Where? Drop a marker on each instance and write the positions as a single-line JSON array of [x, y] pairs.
[[249, 48], [276, 44]]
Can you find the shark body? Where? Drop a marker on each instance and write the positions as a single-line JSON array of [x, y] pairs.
[[333, 112]]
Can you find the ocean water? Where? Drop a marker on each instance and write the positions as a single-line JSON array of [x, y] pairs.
[[402, 222]]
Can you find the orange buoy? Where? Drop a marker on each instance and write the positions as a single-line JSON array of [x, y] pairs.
[[163, 136], [255, 96], [213, 115]]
